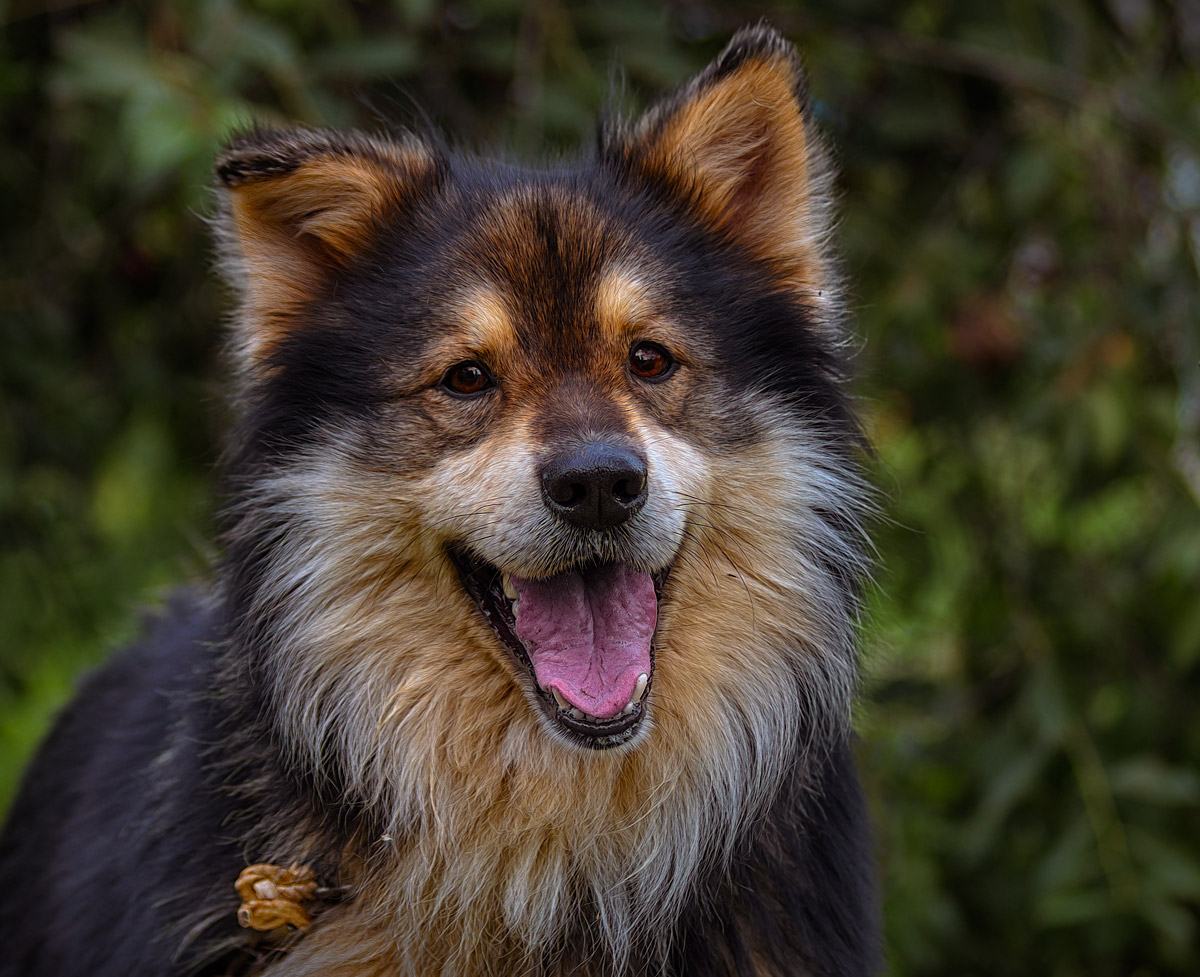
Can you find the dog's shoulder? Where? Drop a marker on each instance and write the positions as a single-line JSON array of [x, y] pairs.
[[118, 802]]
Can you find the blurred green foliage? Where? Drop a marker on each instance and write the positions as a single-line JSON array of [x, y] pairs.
[[1021, 227]]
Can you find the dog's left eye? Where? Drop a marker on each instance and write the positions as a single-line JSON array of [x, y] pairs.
[[467, 379], [650, 361]]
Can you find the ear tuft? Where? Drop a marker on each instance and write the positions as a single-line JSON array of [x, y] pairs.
[[240, 165], [264, 153], [762, 42]]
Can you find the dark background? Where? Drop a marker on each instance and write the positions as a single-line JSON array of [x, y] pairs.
[[1021, 228]]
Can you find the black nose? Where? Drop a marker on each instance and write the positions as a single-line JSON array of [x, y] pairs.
[[596, 487]]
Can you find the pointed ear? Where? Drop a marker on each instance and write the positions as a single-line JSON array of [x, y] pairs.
[[298, 206], [737, 143]]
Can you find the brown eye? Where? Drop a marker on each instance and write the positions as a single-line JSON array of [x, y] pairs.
[[467, 379], [650, 361]]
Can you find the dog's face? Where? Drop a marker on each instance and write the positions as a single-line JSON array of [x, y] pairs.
[[555, 459]]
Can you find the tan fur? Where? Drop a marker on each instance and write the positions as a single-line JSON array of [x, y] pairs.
[[623, 301], [484, 319]]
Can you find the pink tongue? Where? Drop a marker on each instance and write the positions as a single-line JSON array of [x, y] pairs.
[[588, 634]]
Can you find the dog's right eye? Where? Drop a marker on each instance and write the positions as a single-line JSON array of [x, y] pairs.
[[467, 379]]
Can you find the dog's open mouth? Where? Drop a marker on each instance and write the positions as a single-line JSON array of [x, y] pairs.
[[586, 637]]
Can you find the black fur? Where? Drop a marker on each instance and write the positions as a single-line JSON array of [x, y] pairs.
[[801, 891], [116, 854]]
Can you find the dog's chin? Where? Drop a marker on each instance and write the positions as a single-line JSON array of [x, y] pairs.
[[487, 584]]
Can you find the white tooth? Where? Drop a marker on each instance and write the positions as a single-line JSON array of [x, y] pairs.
[[629, 707], [575, 713], [562, 702], [640, 689], [509, 590], [515, 605]]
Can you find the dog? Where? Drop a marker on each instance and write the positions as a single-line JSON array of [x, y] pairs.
[[532, 643]]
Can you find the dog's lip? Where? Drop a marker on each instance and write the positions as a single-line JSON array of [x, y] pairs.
[[483, 582]]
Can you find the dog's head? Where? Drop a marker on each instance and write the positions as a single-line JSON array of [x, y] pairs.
[[553, 457]]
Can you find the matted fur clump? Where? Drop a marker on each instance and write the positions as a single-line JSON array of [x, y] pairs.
[[533, 636]]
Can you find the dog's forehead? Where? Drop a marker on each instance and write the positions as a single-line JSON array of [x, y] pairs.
[[547, 263], [524, 226]]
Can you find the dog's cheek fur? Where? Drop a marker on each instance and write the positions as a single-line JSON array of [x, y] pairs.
[[748, 645]]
